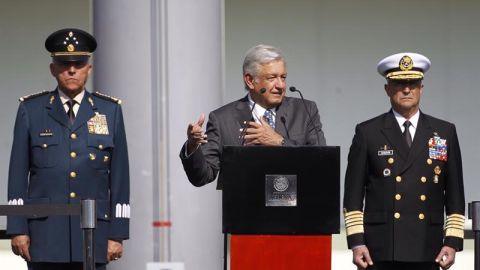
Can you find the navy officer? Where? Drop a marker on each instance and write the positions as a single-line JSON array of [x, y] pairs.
[[404, 174], [69, 145]]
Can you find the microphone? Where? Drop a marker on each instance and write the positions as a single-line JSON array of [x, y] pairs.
[[284, 122], [310, 119], [244, 131]]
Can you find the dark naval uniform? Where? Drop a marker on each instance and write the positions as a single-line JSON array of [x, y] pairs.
[[55, 162], [398, 191]]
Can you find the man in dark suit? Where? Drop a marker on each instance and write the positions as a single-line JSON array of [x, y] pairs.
[[265, 116], [406, 167], [69, 145]]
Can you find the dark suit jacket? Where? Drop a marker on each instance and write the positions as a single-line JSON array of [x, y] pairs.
[[223, 128], [54, 162], [406, 191]]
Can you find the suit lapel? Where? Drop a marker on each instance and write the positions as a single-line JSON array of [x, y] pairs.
[[393, 133], [85, 112], [282, 113], [420, 141], [56, 110]]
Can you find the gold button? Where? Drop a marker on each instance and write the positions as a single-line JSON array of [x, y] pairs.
[[92, 156], [397, 215], [423, 197], [423, 179], [44, 145], [73, 136], [421, 216], [73, 154], [391, 160], [398, 179], [398, 197], [105, 159], [73, 174], [100, 146], [429, 161], [73, 195]]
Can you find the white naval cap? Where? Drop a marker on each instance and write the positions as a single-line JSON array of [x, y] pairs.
[[403, 66]]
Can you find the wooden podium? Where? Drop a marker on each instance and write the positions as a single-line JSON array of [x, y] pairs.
[[280, 206]]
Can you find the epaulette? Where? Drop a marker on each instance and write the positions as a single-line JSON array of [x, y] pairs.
[[44, 92], [107, 97]]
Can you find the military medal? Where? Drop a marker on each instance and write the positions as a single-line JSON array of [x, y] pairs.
[[437, 148], [46, 133], [386, 172], [98, 124], [435, 179]]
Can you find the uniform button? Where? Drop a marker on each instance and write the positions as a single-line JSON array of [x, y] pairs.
[[398, 197], [73, 136], [73, 174], [105, 159], [73, 195], [429, 161], [391, 161], [397, 215], [44, 145], [106, 216], [73, 154], [398, 179], [100, 146], [92, 156], [423, 179], [423, 197], [421, 216]]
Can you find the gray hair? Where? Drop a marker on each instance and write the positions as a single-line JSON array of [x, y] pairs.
[[259, 55]]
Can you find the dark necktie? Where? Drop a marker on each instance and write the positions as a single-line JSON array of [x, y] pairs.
[[70, 113], [406, 133], [268, 115]]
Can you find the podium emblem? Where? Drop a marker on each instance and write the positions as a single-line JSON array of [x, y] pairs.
[[280, 190]]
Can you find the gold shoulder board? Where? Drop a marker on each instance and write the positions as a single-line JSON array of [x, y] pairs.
[[44, 92], [107, 97]]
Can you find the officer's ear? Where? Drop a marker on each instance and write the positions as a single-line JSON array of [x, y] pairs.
[[249, 81], [52, 69]]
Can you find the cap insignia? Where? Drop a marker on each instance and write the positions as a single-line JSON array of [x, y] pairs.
[[70, 34], [406, 63], [70, 48]]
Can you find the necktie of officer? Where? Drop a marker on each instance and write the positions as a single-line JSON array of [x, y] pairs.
[[406, 133], [70, 112], [268, 115]]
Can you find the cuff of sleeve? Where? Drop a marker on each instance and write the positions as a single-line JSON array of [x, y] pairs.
[[454, 242], [355, 240], [119, 229]]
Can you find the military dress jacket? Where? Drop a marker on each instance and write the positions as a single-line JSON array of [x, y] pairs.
[[223, 128], [55, 162], [396, 197]]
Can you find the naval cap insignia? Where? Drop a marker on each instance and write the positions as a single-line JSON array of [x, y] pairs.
[[406, 63]]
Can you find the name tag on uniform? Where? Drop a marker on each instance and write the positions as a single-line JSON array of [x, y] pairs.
[[98, 124], [46, 133], [385, 153]]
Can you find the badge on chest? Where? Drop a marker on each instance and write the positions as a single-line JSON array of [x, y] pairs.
[[98, 124]]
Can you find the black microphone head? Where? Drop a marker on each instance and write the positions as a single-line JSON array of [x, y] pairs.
[[292, 89], [263, 90]]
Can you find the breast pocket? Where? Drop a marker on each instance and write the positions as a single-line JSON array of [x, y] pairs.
[[100, 150], [45, 151]]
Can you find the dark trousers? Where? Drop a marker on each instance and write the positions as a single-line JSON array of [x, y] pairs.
[[403, 266], [62, 266]]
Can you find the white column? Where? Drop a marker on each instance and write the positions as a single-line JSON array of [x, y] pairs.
[[164, 60]]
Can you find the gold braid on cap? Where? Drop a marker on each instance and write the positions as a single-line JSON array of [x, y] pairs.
[[354, 222], [454, 225]]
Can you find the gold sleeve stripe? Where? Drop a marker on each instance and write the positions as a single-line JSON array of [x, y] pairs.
[[454, 232], [347, 214], [354, 230], [454, 223], [456, 216]]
